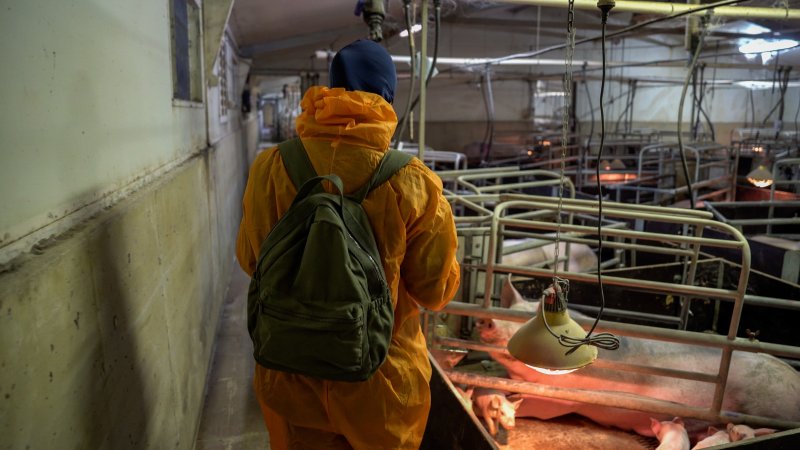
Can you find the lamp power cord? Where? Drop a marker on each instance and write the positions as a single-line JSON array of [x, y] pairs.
[[606, 341]]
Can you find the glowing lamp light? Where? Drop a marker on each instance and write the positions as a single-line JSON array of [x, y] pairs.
[[536, 347], [546, 143], [605, 165], [414, 29], [551, 372], [758, 149], [760, 177]]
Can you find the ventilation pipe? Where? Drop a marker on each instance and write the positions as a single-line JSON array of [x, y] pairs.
[[649, 7]]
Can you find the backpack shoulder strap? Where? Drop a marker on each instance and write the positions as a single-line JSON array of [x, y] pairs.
[[296, 162], [392, 161]]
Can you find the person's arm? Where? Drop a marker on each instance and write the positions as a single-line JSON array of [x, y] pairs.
[[245, 253], [255, 215], [430, 269]]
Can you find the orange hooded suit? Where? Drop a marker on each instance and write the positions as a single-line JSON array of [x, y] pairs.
[[346, 133]]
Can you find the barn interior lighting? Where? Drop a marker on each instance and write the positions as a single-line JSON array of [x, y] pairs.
[[767, 48], [755, 85], [767, 45], [760, 177], [455, 61], [742, 27], [540, 342], [414, 29]]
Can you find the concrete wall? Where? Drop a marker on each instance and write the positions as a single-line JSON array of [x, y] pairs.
[[107, 324]]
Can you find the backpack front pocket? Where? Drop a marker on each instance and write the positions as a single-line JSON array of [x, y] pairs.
[[327, 345]]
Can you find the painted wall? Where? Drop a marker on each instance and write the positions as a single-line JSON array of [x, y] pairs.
[[87, 107], [107, 326]]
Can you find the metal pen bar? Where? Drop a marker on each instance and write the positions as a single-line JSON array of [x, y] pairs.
[[620, 245], [660, 237], [608, 205], [614, 399], [672, 320], [633, 330]]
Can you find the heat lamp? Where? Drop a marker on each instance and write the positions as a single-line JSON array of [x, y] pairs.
[[760, 177], [538, 343]]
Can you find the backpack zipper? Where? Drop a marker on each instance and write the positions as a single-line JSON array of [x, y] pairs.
[[374, 264]]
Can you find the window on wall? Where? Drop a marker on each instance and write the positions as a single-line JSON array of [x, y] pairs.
[[186, 39]]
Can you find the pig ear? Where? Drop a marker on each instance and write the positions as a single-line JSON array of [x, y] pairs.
[[509, 295], [655, 425], [519, 402], [678, 420], [470, 391], [495, 402], [712, 430], [730, 426]]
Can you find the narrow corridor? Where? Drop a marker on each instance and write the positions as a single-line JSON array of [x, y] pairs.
[[231, 418]]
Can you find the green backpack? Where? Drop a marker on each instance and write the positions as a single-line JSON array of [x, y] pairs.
[[318, 302]]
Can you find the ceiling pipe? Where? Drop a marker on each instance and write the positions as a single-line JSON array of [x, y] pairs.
[[741, 12]]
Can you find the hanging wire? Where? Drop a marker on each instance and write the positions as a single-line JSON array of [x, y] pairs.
[[689, 76], [561, 286], [602, 340], [625, 30], [407, 15], [437, 17], [567, 85]]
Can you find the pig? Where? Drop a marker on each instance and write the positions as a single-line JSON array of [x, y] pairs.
[[495, 409], [581, 257], [671, 434], [741, 432], [714, 437], [751, 388]]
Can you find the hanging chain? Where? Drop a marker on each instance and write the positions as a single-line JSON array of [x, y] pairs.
[[565, 116]]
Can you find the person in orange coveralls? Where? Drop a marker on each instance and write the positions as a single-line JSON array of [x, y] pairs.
[[346, 129]]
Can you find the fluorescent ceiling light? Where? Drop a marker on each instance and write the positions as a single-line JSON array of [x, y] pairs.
[[756, 84], [414, 29], [742, 27], [508, 62], [767, 45]]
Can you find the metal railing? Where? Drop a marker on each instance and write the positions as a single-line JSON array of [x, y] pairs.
[[536, 221]]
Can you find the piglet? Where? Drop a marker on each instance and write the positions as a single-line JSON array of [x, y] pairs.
[[671, 434], [741, 432], [715, 437], [495, 409]]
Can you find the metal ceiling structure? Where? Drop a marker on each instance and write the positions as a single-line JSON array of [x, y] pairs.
[[282, 38]]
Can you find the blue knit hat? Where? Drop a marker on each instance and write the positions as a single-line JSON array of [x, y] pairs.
[[366, 66]]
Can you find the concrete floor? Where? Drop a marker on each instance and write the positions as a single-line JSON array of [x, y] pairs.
[[231, 417]]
